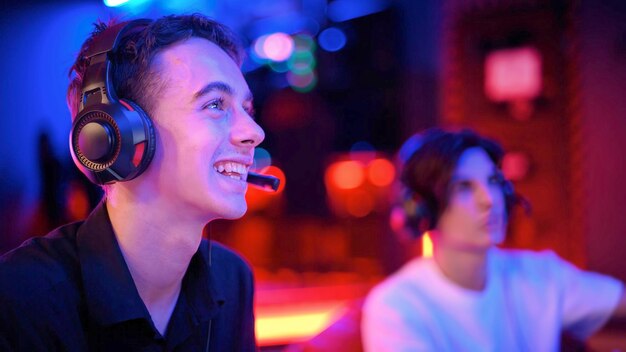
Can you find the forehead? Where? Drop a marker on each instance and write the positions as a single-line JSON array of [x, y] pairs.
[[195, 62], [474, 162]]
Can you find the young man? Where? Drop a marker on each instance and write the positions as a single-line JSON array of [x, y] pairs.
[[472, 296], [136, 274]]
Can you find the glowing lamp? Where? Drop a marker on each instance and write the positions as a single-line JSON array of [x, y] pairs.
[[345, 174], [427, 245], [515, 166], [115, 3], [512, 74], [278, 46], [381, 172]]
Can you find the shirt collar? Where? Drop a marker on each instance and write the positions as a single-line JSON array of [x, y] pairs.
[[199, 284], [199, 299], [110, 291]]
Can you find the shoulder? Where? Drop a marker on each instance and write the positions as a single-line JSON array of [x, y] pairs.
[[528, 260], [40, 283], [40, 264], [580, 301], [222, 255], [225, 262], [545, 270], [396, 312], [399, 288]]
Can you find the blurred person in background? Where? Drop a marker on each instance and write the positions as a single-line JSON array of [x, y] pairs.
[[472, 295]]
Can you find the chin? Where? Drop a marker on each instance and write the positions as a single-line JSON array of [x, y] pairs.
[[497, 238], [235, 212]]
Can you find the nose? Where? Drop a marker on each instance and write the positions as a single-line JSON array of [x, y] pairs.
[[246, 132], [485, 196]]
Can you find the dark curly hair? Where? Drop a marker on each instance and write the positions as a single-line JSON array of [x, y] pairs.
[[133, 77], [427, 173]]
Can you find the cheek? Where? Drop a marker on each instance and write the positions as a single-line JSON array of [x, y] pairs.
[[460, 218], [461, 209], [499, 201], [183, 158], [454, 219]]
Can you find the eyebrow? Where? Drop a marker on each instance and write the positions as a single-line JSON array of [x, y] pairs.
[[219, 86], [455, 178]]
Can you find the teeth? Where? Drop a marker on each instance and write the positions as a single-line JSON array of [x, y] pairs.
[[231, 169]]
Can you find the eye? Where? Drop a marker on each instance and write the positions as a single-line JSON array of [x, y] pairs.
[[215, 104], [463, 185], [496, 179], [248, 107], [251, 111]]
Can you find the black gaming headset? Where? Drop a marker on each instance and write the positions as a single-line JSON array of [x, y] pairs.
[[112, 140]]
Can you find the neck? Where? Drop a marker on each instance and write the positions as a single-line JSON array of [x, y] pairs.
[[466, 269], [157, 243]]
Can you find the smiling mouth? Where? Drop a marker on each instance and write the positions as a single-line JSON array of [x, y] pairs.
[[232, 169]]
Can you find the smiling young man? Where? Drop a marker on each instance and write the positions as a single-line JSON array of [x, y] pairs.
[[137, 274], [473, 296]]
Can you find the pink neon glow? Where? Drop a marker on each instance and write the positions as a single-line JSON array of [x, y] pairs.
[[513, 74], [278, 46], [515, 166]]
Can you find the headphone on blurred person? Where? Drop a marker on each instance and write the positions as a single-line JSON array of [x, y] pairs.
[[112, 140], [412, 216], [409, 218]]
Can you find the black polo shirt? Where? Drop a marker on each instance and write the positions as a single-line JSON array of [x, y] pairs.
[[72, 291]]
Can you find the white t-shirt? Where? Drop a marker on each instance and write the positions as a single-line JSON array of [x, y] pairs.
[[529, 298]]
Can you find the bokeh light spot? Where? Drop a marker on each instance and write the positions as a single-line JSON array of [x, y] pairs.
[[345, 174], [278, 46], [302, 83], [332, 39], [381, 172], [262, 158], [360, 203]]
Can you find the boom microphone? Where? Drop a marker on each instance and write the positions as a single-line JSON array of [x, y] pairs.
[[264, 181]]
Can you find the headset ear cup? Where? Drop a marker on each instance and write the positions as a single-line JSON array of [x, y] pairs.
[[411, 218], [142, 153], [418, 214], [131, 139]]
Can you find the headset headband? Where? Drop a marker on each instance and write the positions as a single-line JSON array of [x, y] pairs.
[[99, 65]]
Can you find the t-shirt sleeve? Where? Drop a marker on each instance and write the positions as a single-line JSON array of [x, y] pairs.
[[387, 326], [589, 298]]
